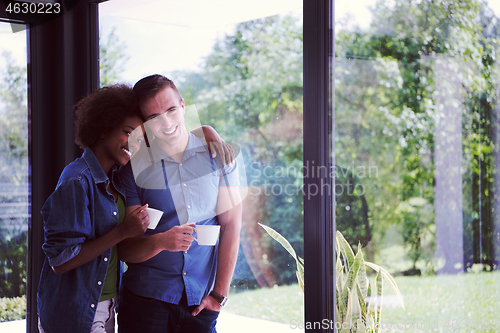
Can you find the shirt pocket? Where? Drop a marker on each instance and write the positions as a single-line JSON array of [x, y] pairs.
[[105, 214], [206, 193]]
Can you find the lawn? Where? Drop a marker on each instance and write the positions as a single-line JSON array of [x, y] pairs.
[[280, 304], [459, 303]]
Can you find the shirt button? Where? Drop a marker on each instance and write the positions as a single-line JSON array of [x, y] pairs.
[[184, 185], [92, 306], [105, 259], [189, 207], [180, 164], [185, 273], [99, 283], [114, 213], [186, 252]]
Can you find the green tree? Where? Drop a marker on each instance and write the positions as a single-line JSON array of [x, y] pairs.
[[13, 177], [386, 106], [13, 116], [250, 90], [112, 57]]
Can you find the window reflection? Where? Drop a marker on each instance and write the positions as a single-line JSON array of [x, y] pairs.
[[14, 174], [242, 68], [416, 95]]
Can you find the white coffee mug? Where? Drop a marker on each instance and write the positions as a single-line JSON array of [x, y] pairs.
[[154, 217], [207, 234]]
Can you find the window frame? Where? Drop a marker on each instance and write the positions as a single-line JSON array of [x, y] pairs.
[[63, 67], [319, 146]]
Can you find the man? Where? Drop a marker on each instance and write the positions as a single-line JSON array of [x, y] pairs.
[[173, 284]]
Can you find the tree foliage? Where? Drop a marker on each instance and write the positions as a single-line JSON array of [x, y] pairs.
[[112, 57], [13, 178], [250, 90], [13, 118], [388, 105]]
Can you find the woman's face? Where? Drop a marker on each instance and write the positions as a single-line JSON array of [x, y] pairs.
[[135, 140], [116, 141]]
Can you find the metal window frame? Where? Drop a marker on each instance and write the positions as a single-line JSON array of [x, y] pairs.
[[63, 67], [319, 217]]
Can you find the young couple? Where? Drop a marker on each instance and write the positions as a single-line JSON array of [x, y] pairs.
[[96, 218]]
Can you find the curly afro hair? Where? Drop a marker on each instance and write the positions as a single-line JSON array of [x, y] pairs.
[[102, 111]]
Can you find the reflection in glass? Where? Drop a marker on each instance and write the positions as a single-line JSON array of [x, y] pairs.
[[416, 107], [245, 78], [14, 174]]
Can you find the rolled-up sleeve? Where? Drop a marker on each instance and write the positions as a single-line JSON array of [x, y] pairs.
[[66, 221], [229, 175]]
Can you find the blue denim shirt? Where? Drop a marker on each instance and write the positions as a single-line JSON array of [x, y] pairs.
[[186, 192], [80, 209]]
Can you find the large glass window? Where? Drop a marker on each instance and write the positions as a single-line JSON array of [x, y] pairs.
[[417, 160], [240, 64], [14, 177]]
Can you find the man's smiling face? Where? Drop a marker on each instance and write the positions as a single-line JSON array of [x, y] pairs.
[[164, 115]]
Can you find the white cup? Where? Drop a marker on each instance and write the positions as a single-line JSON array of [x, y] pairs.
[[154, 217], [207, 234]]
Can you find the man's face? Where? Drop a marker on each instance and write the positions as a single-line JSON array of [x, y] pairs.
[[164, 115]]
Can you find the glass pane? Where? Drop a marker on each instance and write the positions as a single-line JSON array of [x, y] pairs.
[[14, 178], [240, 64], [417, 158]]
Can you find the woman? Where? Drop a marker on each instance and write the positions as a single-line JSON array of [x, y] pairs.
[[84, 219]]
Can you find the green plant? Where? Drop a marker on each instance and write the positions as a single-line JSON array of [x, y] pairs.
[[358, 302], [13, 265], [12, 308], [282, 240]]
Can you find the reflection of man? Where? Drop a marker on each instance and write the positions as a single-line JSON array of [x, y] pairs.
[[172, 283]]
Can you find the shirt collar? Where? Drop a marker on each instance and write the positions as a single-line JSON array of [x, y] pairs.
[[95, 168], [195, 145]]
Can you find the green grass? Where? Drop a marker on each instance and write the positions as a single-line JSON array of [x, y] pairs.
[[280, 304], [432, 303], [459, 303]]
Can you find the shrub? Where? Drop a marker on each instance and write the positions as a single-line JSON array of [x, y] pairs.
[[13, 265], [12, 308]]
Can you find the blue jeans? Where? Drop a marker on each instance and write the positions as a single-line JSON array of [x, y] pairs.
[[141, 314]]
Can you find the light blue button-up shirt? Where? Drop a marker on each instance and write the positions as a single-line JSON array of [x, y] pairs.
[[186, 192]]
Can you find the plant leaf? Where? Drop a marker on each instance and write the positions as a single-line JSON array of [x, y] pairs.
[[345, 250], [389, 278], [282, 240], [355, 308], [361, 325], [362, 304], [362, 280], [351, 278], [300, 275], [340, 306], [380, 290]]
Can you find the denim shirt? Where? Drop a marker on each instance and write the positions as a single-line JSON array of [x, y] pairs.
[[186, 192], [80, 209]]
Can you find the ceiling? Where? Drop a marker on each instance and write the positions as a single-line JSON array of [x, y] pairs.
[[197, 13]]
